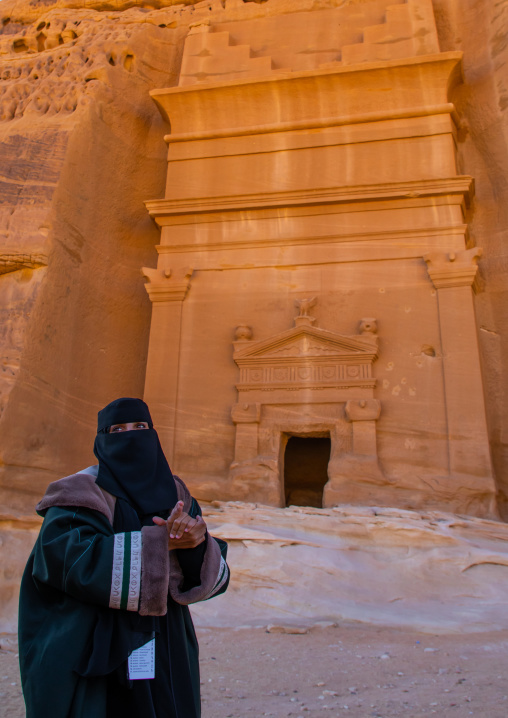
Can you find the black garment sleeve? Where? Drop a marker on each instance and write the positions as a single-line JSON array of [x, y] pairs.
[[191, 560], [78, 554], [74, 555]]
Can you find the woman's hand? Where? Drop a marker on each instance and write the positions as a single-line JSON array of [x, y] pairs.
[[183, 530]]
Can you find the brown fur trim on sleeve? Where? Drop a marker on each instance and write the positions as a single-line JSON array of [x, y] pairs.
[[155, 562], [78, 490], [153, 599], [209, 574], [209, 570]]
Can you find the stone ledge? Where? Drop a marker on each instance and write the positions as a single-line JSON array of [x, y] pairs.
[[461, 185]]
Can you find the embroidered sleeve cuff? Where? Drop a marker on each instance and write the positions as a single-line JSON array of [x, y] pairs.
[[153, 600], [126, 574], [214, 574], [222, 577]]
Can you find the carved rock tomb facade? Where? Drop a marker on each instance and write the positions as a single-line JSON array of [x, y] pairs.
[[329, 181]]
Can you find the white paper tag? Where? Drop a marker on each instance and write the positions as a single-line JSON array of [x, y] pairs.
[[142, 662]]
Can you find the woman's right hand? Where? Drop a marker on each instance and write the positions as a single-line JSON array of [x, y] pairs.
[[183, 530]]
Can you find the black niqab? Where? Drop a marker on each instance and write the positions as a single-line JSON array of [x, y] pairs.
[[132, 465]]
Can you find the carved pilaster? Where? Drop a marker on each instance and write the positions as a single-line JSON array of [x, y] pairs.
[[167, 291], [246, 417], [363, 413], [454, 276], [361, 465], [453, 269], [246, 413]]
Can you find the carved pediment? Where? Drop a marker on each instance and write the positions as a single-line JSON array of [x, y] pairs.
[[306, 343], [306, 357]]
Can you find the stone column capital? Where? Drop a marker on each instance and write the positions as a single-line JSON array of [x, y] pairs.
[[244, 413], [162, 286], [363, 409], [453, 269]]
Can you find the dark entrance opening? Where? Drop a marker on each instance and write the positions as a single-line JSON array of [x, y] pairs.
[[306, 470]]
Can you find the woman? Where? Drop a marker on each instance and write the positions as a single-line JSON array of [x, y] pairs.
[[104, 627]]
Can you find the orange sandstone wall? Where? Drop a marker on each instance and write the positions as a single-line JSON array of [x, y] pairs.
[[82, 149]]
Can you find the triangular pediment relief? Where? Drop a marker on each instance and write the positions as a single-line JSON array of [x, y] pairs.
[[307, 343]]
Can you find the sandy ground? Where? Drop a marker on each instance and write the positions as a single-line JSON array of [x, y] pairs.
[[350, 670]]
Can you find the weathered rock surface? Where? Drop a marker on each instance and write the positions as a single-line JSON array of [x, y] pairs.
[[434, 572], [17, 537]]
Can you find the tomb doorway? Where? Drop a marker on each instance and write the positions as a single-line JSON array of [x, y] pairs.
[[306, 470]]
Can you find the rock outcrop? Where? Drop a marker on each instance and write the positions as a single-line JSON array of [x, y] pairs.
[[434, 572]]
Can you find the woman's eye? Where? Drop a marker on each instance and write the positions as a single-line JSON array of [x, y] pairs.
[[116, 428], [141, 426]]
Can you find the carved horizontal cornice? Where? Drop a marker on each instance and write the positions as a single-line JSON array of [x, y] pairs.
[[419, 236], [192, 110], [446, 108], [324, 135], [462, 186], [453, 269], [272, 364], [314, 386]]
